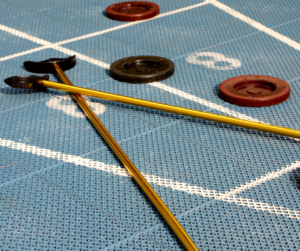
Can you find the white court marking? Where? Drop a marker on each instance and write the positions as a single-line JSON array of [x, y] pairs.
[[131, 24], [106, 66], [42, 152], [175, 91], [230, 196], [256, 24], [23, 53], [65, 104], [213, 59], [56, 46], [203, 101]]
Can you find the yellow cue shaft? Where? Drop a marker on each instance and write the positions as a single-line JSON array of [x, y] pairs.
[[174, 109], [158, 203]]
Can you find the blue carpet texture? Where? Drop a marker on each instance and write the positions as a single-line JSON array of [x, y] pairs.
[[62, 188]]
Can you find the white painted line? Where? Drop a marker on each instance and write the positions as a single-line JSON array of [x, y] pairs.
[[261, 206], [67, 158], [181, 186], [106, 66], [256, 24], [23, 53], [82, 57], [203, 101], [265, 178], [46, 45], [165, 87], [130, 24], [77, 160], [230, 196], [24, 35], [56, 45]]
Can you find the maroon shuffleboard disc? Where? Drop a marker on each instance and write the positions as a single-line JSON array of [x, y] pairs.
[[132, 11], [254, 90]]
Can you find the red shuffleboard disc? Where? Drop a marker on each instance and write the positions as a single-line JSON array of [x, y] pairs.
[[254, 90], [132, 11]]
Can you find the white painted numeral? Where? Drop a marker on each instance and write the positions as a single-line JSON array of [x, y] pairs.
[[210, 60], [66, 104]]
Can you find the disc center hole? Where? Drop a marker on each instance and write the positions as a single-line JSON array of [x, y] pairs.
[[132, 8], [142, 66], [252, 87]]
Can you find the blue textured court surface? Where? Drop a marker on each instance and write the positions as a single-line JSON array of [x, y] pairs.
[[230, 188]]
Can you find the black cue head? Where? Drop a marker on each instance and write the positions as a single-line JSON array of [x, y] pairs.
[[26, 82], [46, 66]]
